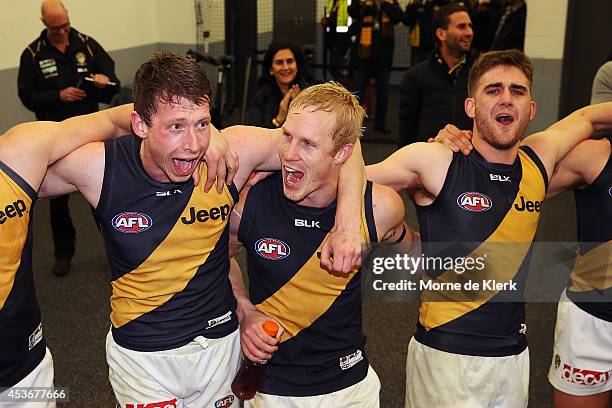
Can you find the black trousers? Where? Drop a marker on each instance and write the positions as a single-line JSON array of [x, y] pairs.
[[62, 228]]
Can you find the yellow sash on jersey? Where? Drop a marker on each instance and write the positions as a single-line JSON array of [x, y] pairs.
[[592, 270], [174, 262], [308, 295], [15, 205]]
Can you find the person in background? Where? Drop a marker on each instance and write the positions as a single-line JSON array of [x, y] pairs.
[[418, 16], [284, 75], [64, 73], [432, 92], [602, 83], [373, 34], [336, 23], [510, 32], [602, 89], [486, 17]]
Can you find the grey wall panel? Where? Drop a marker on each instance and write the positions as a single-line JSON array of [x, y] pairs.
[[128, 60], [12, 112], [546, 92]]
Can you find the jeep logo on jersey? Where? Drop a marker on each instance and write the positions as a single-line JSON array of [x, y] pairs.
[[213, 213], [271, 248], [476, 202], [224, 402], [132, 222], [16, 209], [528, 205]]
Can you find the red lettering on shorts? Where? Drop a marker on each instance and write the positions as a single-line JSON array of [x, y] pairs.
[[163, 404], [584, 377]]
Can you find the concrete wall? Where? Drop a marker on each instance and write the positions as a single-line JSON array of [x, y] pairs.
[[544, 43]]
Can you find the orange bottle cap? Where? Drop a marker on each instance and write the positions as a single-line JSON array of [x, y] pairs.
[[271, 328]]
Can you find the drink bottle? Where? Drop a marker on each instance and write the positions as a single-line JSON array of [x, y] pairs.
[[250, 373]]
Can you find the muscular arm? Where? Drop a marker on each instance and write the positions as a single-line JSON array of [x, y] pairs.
[[580, 167], [388, 213], [341, 252], [552, 144], [389, 218], [31, 147], [256, 147], [417, 167], [82, 169]]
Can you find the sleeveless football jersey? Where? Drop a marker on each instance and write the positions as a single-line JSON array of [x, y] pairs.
[[591, 280], [22, 346], [322, 348], [167, 247], [489, 211]]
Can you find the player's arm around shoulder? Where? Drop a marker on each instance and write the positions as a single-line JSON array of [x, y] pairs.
[[579, 167], [82, 170], [29, 148], [389, 212], [552, 144], [235, 219], [418, 166], [257, 149]]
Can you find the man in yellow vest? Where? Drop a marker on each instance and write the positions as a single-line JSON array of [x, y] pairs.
[[336, 22]]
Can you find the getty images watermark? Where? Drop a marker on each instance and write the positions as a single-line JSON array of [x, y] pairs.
[[468, 271]]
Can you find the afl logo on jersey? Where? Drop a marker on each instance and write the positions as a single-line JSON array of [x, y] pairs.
[[132, 222], [476, 202], [224, 402], [273, 249]]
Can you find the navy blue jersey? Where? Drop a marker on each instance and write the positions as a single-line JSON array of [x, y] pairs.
[[322, 348], [591, 279], [167, 246], [22, 346], [489, 211]]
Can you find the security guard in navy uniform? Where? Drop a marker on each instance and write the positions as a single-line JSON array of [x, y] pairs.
[[64, 73]]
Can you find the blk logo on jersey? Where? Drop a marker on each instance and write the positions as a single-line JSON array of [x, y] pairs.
[[273, 249], [498, 177], [610, 191], [163, 404], [15, 209], [167, 193], [584, 377], [132, 222], [306, 223], [476, 202], [224, 402]]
